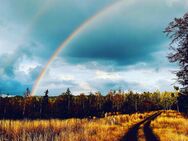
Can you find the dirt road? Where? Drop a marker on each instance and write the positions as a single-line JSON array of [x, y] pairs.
[[132, 134]]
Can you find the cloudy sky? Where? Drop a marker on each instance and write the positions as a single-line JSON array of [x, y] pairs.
[[122, 45]]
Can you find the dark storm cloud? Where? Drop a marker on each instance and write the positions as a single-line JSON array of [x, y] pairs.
[[126, 36], [57, 19], [12, 87]]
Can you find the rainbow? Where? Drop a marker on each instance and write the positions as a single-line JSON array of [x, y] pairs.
[[69, 39]]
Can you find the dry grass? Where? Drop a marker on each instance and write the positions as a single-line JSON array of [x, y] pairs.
[[171, 126], [109, 128]]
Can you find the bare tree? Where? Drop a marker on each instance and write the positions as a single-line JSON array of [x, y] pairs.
[[177, 31]]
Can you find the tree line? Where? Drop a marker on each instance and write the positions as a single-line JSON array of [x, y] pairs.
[[68, 105]]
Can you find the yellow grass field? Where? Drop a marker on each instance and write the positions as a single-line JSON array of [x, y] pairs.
[[171, 126], [104, 129], [168, 126]]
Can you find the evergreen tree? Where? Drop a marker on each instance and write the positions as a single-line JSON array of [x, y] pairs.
[[44, 109], [27, 93]]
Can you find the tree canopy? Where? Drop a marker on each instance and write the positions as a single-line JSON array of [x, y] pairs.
[[177, 31]]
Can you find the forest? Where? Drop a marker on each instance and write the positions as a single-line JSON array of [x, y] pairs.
[[68, 105]]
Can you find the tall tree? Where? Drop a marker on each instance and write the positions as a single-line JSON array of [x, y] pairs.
[[177, 31], [44, 108], [27, 93]]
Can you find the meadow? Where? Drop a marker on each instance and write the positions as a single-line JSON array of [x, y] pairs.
[[166, 126], [110, 128], [171, 126]]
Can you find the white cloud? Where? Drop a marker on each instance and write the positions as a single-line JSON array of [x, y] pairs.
[[107, 75], [172, 3], [85, 86], [26, 65], [148, 78], [79, 79]]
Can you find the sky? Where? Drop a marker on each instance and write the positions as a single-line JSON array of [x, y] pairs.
[[121, 47]]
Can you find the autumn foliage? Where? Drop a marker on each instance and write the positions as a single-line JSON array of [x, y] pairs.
[[67, 105]]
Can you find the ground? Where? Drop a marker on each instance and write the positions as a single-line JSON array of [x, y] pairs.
[[151, 126]]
